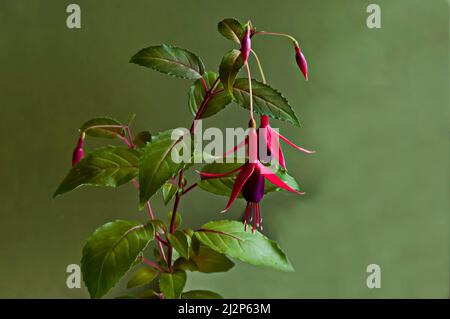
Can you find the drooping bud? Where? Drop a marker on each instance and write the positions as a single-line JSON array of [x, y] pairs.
[[246, 44], [301, 61], [78, 152]]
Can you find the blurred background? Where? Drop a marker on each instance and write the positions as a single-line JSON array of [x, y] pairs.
[[375, 108]]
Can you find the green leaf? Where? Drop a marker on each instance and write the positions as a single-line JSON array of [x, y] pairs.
[[92, 128], [230, 238], [231, 29], [142, 277], [110, 252], [142, 138], [231, 63], [170, 60], [200, 294], [218, 100], [156, 165], [178, 219], [204, 260], [181, 242], [223, 186], [172, 284], [266, 100], [107, 166], [168, 191]]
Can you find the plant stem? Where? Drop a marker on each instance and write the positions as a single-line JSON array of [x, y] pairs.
[[189, 188], [250, 91], [153, 265], [174, 218], [209, 94], [259, 66], [204, 83], [278, 34]]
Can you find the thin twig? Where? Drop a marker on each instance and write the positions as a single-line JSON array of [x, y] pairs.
[[189, 188]]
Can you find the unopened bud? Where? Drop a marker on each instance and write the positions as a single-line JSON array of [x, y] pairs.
[[301, 62], [246, 44], [78, 152]]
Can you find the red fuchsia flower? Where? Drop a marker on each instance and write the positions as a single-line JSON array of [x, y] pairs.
[[250, 182], [246, 44], [301, 61], [78, 152]]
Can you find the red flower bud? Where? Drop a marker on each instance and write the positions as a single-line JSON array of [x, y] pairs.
[[301, 62], [246, 45], [78, 152]]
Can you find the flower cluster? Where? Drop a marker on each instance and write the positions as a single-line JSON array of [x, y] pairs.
[[250, 181]]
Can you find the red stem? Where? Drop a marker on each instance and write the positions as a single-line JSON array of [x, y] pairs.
[[189, 188], [209, 94], [153, 265]]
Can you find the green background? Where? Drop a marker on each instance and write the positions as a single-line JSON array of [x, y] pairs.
[[375, 109]]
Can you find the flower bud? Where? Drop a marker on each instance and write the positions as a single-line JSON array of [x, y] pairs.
[[246, 44], [78, 152], [301, 62]]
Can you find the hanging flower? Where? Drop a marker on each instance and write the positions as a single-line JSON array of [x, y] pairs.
[[301, 61], [250, 181], [78, 152]]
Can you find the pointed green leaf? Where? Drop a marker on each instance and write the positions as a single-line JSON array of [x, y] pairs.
[[266, 100], [156, 165], [110, 252], [231, 63], [107, 166], [218, 100], [170, 60], [142, 277], [103, 127], [172, 284], [181, 242], [200, 294], [168, 191], [231, 29], [230, 238], [224, 185]]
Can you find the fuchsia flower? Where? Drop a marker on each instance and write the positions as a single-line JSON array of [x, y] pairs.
[[301, 61], [250, 181], [78, 152], [246, 44]]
